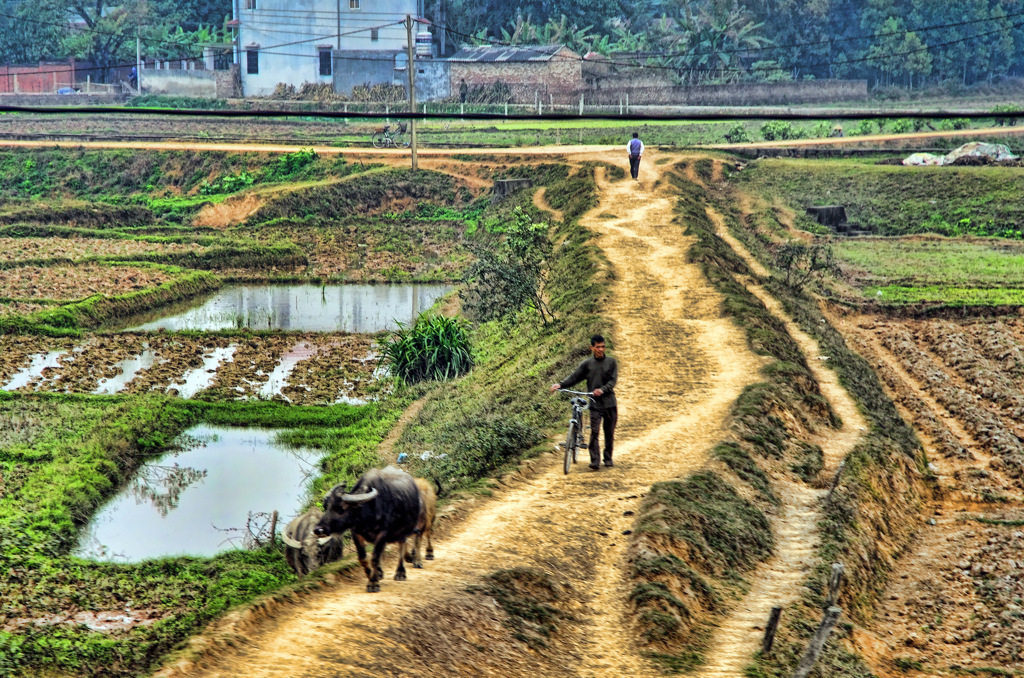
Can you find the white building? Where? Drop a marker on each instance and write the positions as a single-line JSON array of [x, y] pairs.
[[294, 41]]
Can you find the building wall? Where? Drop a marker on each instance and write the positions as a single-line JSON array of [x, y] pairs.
[[374, 68], [273, 24], [43, 78], [557, 80], [433, 80]]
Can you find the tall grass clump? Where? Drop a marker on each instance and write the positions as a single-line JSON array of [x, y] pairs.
[[434, 347]]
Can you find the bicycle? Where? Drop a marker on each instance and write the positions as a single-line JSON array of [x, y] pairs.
[[574, 438], [383, 137]]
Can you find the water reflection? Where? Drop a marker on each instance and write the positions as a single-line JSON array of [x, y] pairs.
[[189, 500], [162, 485], [314, 308]]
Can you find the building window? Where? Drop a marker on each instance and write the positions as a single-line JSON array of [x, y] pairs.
[[374, 34], [252, 61], [353, 4], [250, 4], [325, 62]]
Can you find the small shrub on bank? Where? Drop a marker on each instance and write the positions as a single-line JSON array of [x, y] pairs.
[[434, 347], [779, 130], [737, 134]]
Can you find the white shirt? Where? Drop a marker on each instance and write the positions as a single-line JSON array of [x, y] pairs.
[[641, 146]]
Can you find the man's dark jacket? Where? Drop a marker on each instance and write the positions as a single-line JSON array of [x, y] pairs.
[[600, 374]]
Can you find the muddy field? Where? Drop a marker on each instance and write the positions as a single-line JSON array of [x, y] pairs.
[[68, 283], [955, 600], [22, 249], [306, 368]]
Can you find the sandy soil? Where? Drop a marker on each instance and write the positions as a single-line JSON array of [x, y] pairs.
[[682, 365]]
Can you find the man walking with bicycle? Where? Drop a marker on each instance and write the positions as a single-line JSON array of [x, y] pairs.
[[601, 372]]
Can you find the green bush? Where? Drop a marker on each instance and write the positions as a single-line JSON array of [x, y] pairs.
[[228, 184], [863, 128], [737, 134], [435, 347], [902, 126], [779, 130]]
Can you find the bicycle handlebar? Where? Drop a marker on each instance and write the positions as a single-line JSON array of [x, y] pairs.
[[582, 393]]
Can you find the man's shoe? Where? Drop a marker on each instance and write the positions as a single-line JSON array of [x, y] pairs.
[[595, 467], [608, 464]]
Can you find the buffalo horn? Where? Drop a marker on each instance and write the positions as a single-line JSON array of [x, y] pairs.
[[359, 498], [291, 542]]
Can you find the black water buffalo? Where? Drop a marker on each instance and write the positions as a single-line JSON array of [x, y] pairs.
[[425, 524], [304, 551], [382, 508]]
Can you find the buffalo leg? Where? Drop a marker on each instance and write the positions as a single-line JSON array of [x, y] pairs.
[[400, 572], [360, 543], [378, 550], [417, 561]]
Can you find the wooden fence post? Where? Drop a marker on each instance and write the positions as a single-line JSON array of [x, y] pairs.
[[834, 582], [769, 632], [273, 526], [817, 643]]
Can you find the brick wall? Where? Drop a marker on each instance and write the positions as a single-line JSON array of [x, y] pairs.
[[559, 80]]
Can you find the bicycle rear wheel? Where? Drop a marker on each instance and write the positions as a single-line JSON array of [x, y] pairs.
[[570, 446], [379, 140]]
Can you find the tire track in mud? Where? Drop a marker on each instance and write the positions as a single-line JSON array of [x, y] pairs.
[[682, 365], [778, 581]]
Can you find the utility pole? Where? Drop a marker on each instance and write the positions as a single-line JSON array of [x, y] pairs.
[[138, 64], [412, 87]]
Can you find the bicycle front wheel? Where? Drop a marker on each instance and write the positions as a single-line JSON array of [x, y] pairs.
[[379, 140], [403, 140], [571, 440]]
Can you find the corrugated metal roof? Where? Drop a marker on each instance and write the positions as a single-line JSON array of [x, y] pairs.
[[503, 54]]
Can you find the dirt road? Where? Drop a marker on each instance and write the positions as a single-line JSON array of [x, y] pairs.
[[682, 366]]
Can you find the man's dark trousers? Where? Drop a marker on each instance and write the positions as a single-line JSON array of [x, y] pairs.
[[609, 417], [634, 166]]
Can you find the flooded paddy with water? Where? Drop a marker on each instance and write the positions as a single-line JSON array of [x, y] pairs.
[[196, 498]]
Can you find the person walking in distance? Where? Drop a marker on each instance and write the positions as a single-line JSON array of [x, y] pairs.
[[635, 148], [601, 373]]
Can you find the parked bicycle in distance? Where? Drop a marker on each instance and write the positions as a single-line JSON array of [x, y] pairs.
[[383, 137], [580, 402]]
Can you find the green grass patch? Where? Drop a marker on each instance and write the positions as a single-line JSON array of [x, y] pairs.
[[950, 263], [897, 200], [946, 295]]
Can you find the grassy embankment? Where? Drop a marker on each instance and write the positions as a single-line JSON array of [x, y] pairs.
[[696, 538], [871, 514], [977, 262]]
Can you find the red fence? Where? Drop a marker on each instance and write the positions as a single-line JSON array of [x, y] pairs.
[[44, 78]]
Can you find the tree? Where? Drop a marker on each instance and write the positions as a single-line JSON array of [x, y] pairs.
[[513, 274], [35, 33], [108, 28]]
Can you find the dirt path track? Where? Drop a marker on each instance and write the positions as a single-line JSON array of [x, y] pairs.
[[777, 582], [682, 366]]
